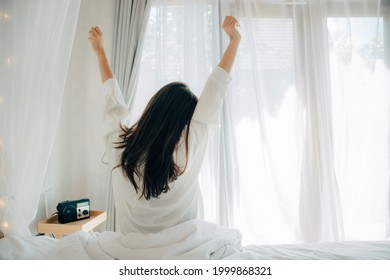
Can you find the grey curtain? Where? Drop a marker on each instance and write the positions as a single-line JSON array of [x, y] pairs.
[[131, 18]]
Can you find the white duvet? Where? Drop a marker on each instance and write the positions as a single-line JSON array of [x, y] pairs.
[[195, 239]]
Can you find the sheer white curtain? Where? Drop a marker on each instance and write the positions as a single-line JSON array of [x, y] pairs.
[[303, 151], [266, 115], [181, 43], [312, 126], [361, 105], [36, 43]]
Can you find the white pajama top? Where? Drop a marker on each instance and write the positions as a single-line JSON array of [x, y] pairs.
[[183, 200]]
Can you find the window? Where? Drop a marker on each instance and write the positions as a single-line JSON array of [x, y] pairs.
[[254, 176], [360, 93]]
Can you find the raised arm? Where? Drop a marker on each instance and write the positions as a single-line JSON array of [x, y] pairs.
[[230, 25], [97, 41]]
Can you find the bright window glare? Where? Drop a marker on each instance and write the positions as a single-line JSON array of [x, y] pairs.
[[360, 93], [267, 131]]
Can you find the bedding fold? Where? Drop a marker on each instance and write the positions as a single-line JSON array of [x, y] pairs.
[[191, 240]]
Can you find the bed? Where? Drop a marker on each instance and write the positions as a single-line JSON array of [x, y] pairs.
[[193, 240]]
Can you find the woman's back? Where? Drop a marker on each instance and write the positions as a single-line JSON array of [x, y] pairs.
[[135, 213]]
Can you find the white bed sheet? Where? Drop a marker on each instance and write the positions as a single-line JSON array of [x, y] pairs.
[[191, 240]]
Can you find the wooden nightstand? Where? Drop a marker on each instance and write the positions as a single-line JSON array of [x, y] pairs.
[[52, 226]]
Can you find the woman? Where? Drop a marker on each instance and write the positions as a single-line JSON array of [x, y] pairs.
[[156, 161]]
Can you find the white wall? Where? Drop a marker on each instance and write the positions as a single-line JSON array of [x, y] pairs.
[[76, 170]]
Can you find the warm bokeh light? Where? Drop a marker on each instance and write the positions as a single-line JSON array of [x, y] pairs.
[[4, 16]]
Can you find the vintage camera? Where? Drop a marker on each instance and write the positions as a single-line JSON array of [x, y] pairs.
[[73, 210]]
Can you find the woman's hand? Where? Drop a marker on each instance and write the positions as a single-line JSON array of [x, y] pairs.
[[96, 39], [230, 25], [95, 36]]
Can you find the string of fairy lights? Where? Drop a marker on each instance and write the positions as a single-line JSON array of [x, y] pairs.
[[5, 18]]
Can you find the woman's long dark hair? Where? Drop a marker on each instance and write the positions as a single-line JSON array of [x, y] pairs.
[[149, 145]]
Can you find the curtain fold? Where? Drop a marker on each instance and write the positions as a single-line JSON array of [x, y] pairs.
[[37, 39], [320, 216], [131, 18], [386, 38]]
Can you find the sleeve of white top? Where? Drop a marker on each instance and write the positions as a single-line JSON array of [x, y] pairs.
[[208, 109], [115, 109]]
